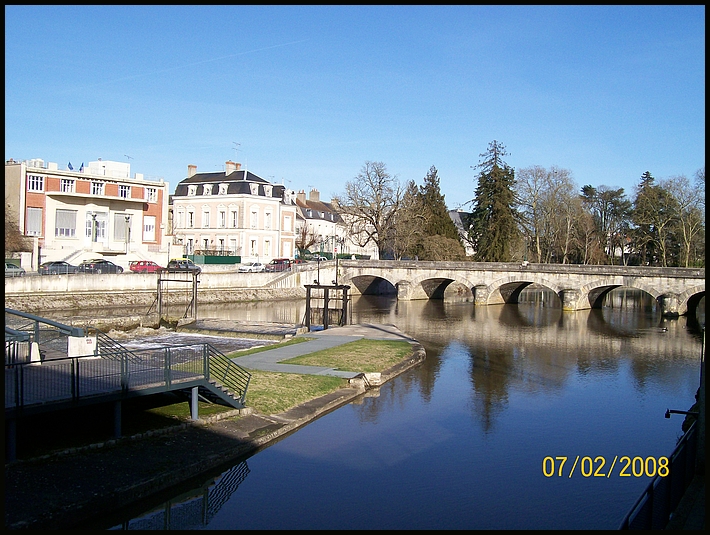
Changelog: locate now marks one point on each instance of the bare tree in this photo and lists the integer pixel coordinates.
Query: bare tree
(369, 205)
(530, 187)
(441, 248)
(658, 208)
(690, 218)
(548, 204)
(305, 238)
(15, 241)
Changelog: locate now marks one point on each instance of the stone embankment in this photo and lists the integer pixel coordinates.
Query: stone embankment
(99, 291)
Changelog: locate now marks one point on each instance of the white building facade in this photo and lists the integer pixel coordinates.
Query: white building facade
(97, 211)
(326, 225)
(233, 212)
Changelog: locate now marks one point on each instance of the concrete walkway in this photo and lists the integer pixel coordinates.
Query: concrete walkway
(318, 340)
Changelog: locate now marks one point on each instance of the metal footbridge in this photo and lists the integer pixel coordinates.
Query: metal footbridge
(50, 366)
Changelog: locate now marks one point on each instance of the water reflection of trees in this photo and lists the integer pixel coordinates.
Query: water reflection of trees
(531, 346)
(537, 349)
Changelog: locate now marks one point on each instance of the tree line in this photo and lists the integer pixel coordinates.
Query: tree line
(535, 214)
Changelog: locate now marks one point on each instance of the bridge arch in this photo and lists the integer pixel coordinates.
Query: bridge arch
(370, 284)
(690, 299)
(427, 286)
(595, 291)
(508, 289)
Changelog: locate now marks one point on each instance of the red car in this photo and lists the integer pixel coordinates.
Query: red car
(144, 266)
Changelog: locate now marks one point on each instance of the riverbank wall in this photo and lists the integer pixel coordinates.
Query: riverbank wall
(65, 292)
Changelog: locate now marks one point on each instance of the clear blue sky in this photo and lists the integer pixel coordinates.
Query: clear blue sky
(307, 94)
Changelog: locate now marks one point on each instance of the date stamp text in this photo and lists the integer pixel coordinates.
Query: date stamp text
(599, 466)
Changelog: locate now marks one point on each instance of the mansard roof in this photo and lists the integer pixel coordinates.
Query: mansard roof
(313, 209)
(238, 183)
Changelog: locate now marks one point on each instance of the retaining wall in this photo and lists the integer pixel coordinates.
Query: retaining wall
(61, 292)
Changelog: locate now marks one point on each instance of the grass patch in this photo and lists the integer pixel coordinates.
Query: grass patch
(274, 392)
(359, 356)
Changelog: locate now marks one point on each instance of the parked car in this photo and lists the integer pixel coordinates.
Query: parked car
(252, 267)
(279, 264)
(98, 265)
(318, 258)
(11, 270)
(144, 266)
(58, 267)
(299, 261)
(183, 264)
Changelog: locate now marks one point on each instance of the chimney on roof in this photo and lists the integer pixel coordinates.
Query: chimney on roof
(230, 167)
(301, 196)
(191, 170)
(314, 195)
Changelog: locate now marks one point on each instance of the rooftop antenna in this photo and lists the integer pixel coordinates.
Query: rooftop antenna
(236, 145)
(128, 157)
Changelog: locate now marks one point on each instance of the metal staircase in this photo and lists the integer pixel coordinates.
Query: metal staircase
(227, 382)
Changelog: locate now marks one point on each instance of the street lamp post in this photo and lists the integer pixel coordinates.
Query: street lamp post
(337, 241)
(93, 227)
(128, 232)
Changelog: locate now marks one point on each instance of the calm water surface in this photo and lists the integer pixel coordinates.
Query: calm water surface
(459, 442)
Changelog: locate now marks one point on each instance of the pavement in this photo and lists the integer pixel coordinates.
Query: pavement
(270, 360)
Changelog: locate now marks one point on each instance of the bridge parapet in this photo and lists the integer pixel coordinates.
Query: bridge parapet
(579, 287)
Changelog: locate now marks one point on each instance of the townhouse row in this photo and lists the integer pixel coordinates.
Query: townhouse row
(101, 211)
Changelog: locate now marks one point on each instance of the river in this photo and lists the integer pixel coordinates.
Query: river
(474, 437)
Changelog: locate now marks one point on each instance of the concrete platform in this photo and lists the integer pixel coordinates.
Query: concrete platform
(319, 340)
(242, 329)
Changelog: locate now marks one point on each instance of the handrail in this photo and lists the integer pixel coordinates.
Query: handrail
(64, 329)
(662, 495)
(227, 372)
(107, 347)
(74, 378)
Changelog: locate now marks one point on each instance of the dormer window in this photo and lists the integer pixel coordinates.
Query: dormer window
(192, 191)
(207, 189)
(254, 189)
(223, 189)
(267, 190)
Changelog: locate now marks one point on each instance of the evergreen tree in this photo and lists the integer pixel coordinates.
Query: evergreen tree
(643, 233)
(407, 234)
(494, 217)
(439, 223)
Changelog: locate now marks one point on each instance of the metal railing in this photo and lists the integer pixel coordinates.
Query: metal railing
(50, 336)
(78, 378)
(226, 372)
(663, 494)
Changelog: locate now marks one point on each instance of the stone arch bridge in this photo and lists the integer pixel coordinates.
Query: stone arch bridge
(579, 287)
